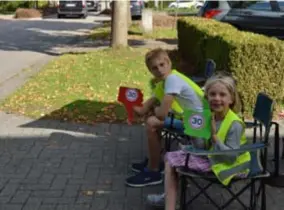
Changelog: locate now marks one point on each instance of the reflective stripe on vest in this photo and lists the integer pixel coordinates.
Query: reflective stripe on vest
(226, 171)
(159, 91)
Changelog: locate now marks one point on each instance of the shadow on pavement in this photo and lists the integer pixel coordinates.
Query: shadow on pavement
(86, 116)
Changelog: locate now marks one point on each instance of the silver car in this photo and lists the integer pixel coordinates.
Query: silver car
(72, 8)
(263, 17)
(94, 5)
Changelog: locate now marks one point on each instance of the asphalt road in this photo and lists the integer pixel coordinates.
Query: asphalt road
(24, 43)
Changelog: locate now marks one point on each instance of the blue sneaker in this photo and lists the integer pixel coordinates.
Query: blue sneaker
(145, 178)
(138, 167)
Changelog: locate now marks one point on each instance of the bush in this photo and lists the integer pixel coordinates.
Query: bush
(255, 61)
(27, 13)
(43, 4)
(11, 6)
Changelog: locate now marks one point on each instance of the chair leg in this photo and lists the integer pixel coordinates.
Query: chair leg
(252, 196)
(167, 138)
(182, 192)
(263, 196)
(283, 148)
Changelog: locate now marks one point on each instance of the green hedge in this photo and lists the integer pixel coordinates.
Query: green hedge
(256, 61)
(12, 6)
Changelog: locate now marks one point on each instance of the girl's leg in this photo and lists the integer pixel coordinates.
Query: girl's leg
(171, 184)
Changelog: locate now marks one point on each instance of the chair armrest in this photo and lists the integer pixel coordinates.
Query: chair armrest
(250, 124)
(246, 148)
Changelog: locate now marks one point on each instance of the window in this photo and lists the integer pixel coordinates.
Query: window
(281, 5)
(212, 4)
(253, 5)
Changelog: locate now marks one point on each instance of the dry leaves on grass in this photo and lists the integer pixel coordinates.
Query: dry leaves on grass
(84, 90)
(163, 21)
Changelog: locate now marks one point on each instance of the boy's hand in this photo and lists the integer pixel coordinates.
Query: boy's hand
(156, 111)
(138, 110)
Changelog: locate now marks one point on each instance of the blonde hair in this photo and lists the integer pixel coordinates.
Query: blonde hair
(156, 54)
(231, 85)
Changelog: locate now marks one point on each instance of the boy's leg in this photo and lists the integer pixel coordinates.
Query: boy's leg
(154, 126)
(153, 129)
(150, 175)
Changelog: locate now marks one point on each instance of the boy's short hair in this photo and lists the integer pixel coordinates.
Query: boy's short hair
(156, 53)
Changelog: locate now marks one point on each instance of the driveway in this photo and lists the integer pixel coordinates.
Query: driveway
(24, 43)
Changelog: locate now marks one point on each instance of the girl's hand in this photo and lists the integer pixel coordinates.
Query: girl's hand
(213, 129)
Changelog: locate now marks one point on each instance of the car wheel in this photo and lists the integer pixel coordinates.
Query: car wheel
(84, 16)
(136, 17)
(59, 16)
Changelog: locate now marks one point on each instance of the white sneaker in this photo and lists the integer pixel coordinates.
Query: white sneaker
(156, 200)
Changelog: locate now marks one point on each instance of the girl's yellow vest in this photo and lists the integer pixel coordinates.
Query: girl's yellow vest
(159, 91)
(226, 171)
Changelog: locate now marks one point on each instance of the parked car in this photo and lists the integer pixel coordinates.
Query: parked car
(94, 5)
(263, 17)
(72, 8)
(136, 7)
(187, 4)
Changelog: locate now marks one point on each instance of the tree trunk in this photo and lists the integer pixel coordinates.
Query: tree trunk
(119, 24)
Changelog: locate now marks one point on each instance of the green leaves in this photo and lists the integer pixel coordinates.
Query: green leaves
(256, 61)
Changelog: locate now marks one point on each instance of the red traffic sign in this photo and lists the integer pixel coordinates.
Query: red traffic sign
(130, 97)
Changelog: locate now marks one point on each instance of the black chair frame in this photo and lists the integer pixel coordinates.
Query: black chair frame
(256, 193)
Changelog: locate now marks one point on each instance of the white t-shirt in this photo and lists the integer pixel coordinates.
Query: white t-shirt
(184, 94)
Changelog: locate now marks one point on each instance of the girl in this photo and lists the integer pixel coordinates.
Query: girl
(227, 132)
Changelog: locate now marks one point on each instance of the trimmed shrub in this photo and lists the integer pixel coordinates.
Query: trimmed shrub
(11, 6)
(254, 60)
(27, 13)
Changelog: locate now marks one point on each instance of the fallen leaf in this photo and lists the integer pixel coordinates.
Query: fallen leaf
(88, 192)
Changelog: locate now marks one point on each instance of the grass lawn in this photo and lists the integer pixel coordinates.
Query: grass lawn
(135, 32)
(82, 87)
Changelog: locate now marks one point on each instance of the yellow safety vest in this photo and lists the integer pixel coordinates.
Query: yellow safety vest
(159, 91)
(226, 171)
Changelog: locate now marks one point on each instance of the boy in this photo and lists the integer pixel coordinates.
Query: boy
(177, 89)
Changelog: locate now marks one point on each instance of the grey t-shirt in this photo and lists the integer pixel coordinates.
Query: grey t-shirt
(184, 93)
(232, 141)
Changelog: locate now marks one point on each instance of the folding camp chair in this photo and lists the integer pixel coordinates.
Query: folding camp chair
(210, 67)
(250, 124)
(173, 132)
(258, 166)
